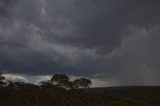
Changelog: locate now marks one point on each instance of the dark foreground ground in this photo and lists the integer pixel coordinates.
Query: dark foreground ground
(146, 94)
(112, 96)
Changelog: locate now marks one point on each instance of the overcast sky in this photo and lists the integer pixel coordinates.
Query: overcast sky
(113, 42)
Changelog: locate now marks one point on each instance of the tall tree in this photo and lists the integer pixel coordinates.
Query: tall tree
(60, 80)
(82, 83)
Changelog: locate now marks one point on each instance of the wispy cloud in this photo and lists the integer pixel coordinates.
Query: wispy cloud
(14, 77)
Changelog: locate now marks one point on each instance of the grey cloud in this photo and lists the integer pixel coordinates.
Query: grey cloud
(140, 56)
(118, 39)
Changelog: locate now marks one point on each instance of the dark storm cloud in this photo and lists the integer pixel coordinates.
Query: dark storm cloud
(5, 5)
(114, 39)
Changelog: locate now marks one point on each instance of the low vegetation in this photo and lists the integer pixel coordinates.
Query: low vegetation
(59, 91)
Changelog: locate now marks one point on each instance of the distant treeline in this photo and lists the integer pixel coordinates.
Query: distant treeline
(61, 81)
(58, 91)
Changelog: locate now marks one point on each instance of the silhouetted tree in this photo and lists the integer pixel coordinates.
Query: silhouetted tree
(82, 83)
(10, 84)
(2, 78)
(60, 80)
(54, 92)
(46, 84)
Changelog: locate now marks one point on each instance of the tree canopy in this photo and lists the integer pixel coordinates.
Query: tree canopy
(58, 91)
(2, 78)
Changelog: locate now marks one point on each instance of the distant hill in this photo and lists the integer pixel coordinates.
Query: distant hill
(147, 94)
